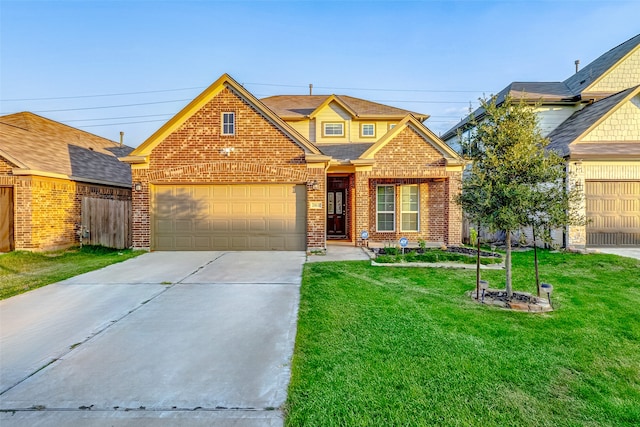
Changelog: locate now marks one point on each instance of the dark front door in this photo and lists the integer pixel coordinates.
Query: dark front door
(337, 207)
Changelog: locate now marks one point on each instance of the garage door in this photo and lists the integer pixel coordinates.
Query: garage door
(613, 208)
(229, 217)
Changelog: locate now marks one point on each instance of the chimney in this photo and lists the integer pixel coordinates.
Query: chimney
(310, 89)
(577, 62)
(121, 138)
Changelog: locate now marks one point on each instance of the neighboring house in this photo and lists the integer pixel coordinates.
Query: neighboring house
(593, 120)
(46, 170)
(232, 172)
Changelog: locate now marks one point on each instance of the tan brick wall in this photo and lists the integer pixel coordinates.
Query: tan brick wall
(47, 210)
(192, 155)
(408, 159)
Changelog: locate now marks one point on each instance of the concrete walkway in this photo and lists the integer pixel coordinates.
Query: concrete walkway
(629, 252)
(167, 338)
(338, 252)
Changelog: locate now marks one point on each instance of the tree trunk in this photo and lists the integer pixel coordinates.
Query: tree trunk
(478, 265)
(535, 261)
(507, 262)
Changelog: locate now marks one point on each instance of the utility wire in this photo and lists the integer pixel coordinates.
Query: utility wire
(100, 95)
(118, 118)
(254, 84)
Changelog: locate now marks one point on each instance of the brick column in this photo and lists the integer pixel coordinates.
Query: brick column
(316, 209)
(361, 206)
(454, 223)
(140, 201)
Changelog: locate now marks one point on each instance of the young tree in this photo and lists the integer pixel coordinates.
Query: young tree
(509, 167)
(554, 205)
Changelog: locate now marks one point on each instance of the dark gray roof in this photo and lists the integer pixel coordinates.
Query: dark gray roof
(583, 78)
(568, 91)
(40, 144)
(349, 151)
(527, 91)
(569, 130)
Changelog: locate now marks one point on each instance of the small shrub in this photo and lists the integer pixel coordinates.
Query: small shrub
(422, 244)
(473, 236)
(390, 250)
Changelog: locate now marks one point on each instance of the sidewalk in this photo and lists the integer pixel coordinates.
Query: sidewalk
(337, 252)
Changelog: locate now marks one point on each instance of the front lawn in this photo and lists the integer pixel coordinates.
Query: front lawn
(22, 271)
(405, 347)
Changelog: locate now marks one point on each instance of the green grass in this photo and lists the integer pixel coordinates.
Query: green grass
(405, 347)
(22, 271)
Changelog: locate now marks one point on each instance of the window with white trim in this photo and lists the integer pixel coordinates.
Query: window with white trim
(229, 123)
(386, 208)
(333, 129)
(409, 208)
(368, 130)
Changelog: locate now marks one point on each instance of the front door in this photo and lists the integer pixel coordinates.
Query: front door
(337, 207)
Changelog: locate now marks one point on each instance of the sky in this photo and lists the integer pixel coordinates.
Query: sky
(112, 66)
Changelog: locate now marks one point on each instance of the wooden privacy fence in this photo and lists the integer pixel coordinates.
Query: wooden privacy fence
(106, 222)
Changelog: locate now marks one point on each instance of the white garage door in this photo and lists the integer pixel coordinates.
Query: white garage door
(613, 209)
(229, 217)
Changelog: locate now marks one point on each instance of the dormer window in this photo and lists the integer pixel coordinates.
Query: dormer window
(333, 129)
(368, 130)
(229, 123)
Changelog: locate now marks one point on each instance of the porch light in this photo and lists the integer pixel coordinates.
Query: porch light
(314, 185)
(137, 186)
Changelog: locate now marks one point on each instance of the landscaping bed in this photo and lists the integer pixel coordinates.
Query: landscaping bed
(434, 255)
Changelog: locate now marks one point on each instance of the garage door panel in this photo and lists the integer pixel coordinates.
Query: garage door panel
(229, 217)
(613, 209)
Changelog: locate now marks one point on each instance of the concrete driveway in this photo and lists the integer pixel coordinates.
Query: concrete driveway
(167, 338)
(629, 252)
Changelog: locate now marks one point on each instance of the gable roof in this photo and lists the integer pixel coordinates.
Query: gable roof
(569, 91)
(40, 146)
(451, 156)
(225, 81)
(547, 92)
(586, 119)
(300, 107)
(587, 76)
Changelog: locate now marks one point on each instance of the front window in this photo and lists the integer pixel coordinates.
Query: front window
(386, 208)
(368, 130)
(333, 129)
(228, 123)
(410, 202)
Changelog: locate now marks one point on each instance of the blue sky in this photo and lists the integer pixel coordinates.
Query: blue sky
(147, 59)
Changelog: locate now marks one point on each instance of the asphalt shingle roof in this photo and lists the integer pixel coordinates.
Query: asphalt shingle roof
(44, 145)
(292, 107)
(587, 75)
(568, 90)
(350, 151)
(569, 130)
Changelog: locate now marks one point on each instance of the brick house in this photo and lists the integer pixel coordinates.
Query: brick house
(232, 172)
(592, 119)
(46, 170)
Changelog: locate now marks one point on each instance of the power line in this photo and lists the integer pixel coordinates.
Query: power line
(118, 118)
(109, 106)
(101, 95)
(123, 123)
(255, 84)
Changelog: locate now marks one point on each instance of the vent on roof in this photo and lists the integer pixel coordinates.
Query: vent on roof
(577, 62)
